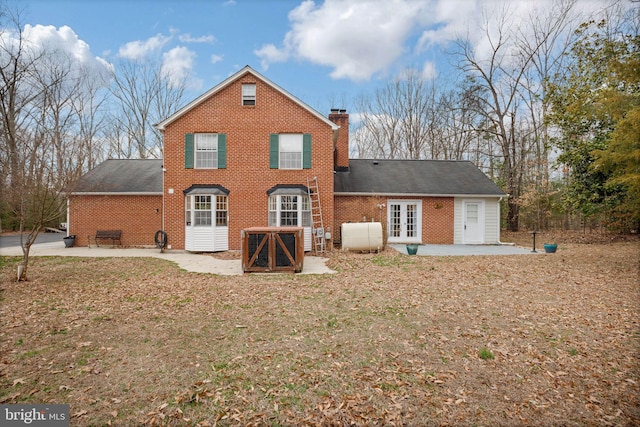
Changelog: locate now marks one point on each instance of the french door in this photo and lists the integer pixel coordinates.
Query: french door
(404, 221)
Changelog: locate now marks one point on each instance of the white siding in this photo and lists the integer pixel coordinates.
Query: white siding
(221, 239)
(491, 220)
(458, 221)
(206, 239)
(308, 243)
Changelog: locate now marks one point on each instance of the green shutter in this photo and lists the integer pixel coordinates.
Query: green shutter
(222, 151)
(188, 151)
(273, 151)
(306, 151)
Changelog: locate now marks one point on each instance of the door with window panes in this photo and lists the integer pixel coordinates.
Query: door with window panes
(206, 224)
(404, 221)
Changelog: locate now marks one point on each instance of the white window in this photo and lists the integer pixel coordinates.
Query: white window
(201, 209)
(249, 94)
(221, 211)
(289, 211)
(206, 150)
(290, 155)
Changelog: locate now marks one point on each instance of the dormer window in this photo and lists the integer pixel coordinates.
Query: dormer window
(249, 94)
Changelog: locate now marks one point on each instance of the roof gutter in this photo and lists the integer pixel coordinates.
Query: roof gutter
(373, 193)
(114, 193)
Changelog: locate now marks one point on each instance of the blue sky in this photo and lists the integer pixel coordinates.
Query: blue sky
(324, 52)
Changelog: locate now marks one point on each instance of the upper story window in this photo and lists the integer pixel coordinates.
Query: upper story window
(249, 94)
(206, 150)
(290, 151)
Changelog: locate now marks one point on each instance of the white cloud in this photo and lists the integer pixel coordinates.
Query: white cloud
(269, 54)
(215, 58)
(177, 64)
(356, 38)
(359, 39)
(65, 44)
(140, 49)
(187, 38)
(429, 71)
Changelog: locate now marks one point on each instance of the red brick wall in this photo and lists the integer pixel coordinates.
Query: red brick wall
(342, 143)
(136, 216)
(359, 209)
(247, 175)
(437, 215)
(437, 220)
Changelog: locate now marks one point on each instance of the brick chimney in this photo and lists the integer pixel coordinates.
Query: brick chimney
(340, 140)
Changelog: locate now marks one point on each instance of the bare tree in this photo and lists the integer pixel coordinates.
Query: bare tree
(498, 80)
(146, 95)
(548, 39)
(399, 121)
(39, 102)
(16, 93)
(88, 107)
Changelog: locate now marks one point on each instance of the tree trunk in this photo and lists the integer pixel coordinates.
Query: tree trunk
(513, 214)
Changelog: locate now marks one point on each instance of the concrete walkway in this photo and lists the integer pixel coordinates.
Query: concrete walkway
(199, 263)
(188, 261)
(468, 250)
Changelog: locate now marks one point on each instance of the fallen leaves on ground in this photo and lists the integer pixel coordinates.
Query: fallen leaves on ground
(547, 339)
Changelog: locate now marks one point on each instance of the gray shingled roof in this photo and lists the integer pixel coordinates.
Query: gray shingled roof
(122, 176)
(417, 177)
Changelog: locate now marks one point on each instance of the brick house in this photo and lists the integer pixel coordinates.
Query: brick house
(241, 155)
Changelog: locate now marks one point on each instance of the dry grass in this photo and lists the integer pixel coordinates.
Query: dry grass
(389, 340)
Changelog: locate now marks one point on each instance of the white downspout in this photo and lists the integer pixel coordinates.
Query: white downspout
(68, 215)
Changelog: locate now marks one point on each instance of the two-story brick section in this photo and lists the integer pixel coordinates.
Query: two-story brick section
(249, 154)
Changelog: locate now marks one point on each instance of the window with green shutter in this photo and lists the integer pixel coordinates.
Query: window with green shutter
(222, 151)
(306, 151)
(188, 151)
(290, 151)
(205, 151)
(273, 151)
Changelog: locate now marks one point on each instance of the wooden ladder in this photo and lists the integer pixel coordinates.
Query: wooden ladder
(317, 231)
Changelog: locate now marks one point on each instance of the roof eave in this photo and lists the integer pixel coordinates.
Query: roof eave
(115, 193)
(247, 69)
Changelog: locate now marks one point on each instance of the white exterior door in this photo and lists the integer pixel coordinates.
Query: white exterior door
(473, 222)
(404, 221)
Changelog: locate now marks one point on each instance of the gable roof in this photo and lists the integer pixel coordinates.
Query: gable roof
(246, 70)
(139, 176)
(414, 177)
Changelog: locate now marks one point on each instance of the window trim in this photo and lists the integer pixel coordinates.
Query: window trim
(274, 151)
(249, 96)
(299, 150)
(218, 209)
(302, 212)
(196, 151)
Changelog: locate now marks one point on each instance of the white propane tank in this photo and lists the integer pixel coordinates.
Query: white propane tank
(362, 236)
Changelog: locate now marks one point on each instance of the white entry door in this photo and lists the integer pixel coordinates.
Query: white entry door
(473, 222)
(404, 221)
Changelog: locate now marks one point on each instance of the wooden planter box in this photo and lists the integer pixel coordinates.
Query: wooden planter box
(272, 249)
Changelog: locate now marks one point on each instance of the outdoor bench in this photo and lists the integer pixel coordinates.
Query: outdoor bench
(112, 235)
